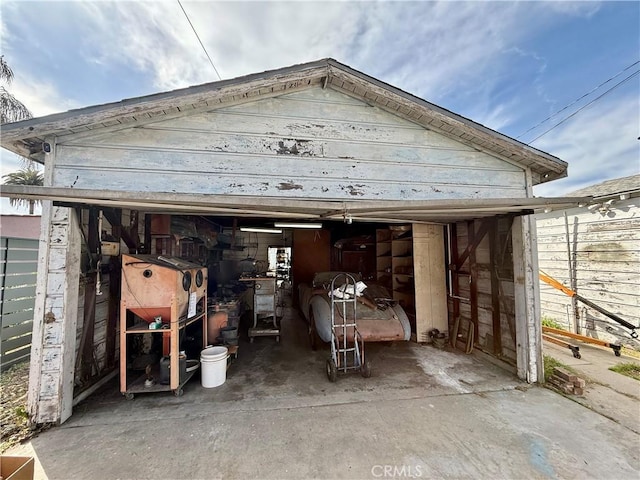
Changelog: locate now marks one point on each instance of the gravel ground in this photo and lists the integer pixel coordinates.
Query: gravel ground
(14, 424)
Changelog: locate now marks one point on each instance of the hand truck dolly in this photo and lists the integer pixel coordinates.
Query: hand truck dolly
(347, 347)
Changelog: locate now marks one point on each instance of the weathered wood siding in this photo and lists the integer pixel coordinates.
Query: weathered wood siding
(605, 255)
(480, 262)
(99, 339)
(316, 143)
(55, 313)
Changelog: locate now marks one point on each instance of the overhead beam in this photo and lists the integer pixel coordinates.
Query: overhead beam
(114, 217)
(419, 211)
(368, 206)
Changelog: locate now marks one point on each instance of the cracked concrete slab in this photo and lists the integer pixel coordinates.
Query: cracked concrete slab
(425, 413)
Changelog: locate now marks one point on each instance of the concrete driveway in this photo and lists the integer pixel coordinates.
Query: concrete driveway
(425, 413)
(608, 393)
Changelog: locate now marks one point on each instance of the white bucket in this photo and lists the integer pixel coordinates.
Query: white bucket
(213, 361)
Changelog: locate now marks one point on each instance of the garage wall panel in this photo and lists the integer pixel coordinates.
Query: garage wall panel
(604, 256)
(312, 144)
(484, 302)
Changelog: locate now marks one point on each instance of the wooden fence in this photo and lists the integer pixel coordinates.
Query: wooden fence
(18, 268)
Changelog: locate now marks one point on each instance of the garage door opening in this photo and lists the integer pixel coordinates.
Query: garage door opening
(456, 278)
(413, 261)
(482, 303)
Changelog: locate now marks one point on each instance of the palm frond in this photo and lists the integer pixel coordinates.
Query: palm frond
(6, 73)
(25, 176)
(11, 109)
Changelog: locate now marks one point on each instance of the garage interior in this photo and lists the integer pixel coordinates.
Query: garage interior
(467, 295)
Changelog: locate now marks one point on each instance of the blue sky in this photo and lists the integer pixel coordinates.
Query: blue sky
(507, 65)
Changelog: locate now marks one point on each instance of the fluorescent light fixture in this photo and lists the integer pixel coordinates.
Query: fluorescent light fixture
(297, 225)
(260, 230)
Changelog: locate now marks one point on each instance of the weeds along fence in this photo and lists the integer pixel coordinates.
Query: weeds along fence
(18, 269)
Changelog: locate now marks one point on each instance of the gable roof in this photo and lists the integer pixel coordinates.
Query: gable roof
(26, 137)
(616, 186)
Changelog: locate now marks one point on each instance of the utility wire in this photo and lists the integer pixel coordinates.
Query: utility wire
(585, 106)
(578, 99)
(198, 37)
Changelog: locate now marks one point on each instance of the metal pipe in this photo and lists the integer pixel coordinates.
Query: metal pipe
(572, 280)
(607, 313)
(460, 298)
(567, 291)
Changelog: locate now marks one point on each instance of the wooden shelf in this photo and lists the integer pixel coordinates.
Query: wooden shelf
(383, 235)
(143, 327)
(138, 384)
(395, 265)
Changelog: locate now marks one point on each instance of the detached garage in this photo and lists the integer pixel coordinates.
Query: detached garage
(406, 194)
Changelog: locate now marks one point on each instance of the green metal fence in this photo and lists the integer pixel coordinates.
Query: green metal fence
(18, 268)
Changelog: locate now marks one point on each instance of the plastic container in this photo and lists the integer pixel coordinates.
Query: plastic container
(165, 369)
(229, 335)
(213, 361)
(215, 322)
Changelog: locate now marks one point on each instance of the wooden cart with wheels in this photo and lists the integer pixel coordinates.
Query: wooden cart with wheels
(160, 296)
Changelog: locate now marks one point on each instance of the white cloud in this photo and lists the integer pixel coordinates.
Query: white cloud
(241, 38)
(577, 9)
(431, 49)
(599, 143)
(41, 97)
(427, 48)
(9, 162)
(458, 52)
(495, 117)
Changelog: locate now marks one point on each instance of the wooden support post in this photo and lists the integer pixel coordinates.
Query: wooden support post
(146, 248)
(133, 230)
(84, 362)
(53, 348)
(455, 279)
(114, 294)
(527, 299)
(473, 271)
(494, 251)
(234, 229)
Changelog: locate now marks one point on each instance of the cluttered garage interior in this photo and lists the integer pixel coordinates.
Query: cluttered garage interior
(180, 227)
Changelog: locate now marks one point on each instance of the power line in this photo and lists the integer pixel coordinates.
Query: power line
(198, 37)
(585, 106)
(578, 99)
